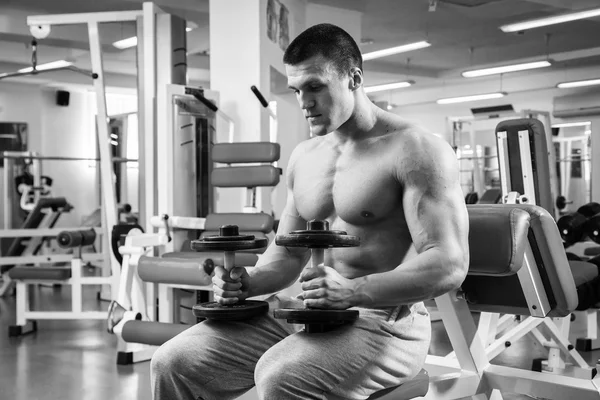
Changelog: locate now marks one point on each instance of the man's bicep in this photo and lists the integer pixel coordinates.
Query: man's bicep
(436, 220)
(434, 207)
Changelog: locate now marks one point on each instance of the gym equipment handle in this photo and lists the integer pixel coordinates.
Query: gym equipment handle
(260, 97)
(70, 239)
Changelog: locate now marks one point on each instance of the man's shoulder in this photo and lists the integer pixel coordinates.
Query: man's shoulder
(420, 150)
(412, 136)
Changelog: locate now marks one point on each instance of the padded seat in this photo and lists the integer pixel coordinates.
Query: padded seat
(40, 273)
(241, 258)
(416, 387)
(185, 268)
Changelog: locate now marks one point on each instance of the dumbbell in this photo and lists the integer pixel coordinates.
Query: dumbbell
(574, 226)
(229, 241)
(317, 237)
(592, 228)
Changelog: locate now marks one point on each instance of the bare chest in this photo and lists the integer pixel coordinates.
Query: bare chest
(358, 187)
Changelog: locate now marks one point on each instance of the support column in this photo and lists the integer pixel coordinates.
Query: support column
(239, 58)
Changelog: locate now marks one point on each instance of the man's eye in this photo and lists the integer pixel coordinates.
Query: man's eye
(315, 88)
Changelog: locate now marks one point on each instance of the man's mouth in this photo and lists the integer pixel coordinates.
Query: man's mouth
(312, 117)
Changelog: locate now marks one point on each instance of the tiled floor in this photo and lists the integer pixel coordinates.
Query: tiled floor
(75, 360)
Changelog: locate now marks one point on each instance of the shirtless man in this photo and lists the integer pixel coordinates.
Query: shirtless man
(367, 172)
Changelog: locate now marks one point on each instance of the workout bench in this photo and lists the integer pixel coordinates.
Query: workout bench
(516, 249)
(26, 276)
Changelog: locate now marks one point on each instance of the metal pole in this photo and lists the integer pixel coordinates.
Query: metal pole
(109, 204)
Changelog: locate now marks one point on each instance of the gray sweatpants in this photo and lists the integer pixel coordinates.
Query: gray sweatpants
(217, 360)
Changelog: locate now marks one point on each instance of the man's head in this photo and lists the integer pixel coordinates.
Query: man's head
(324, 68)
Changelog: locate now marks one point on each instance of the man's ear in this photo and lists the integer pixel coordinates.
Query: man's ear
(356, 80)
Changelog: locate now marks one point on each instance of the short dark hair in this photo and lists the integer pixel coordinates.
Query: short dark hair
(328, 41)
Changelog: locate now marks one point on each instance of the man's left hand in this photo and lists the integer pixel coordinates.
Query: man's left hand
(324, 287)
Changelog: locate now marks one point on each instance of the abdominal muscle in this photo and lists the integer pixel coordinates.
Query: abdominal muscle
(383, 247)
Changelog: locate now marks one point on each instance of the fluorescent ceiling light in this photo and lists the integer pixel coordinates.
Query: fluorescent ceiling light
(555, 19)
(50, 65)
(388, 86)
(571, 124)
(126, 43)
(477, 97)
(505, 69)
(589, 82)
(395, 50)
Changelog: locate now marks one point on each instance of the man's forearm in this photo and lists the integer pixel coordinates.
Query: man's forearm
(426, 276)
(276, 273)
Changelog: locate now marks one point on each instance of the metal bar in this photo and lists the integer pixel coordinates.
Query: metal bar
(526, 167)
(51, 259)
(9, 191)
(512, 335)
(540, 384)
(41, 71)
(504, 162)
(109, 200)
(41, 232)
(83, 18)
(563, 344)
(176, 222)
(532, 285)
(9, 155)
(22, 303)
(462, 332)
(66, 315)
(76, 289)
(148, 50)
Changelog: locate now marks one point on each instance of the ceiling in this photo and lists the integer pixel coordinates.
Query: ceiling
(464, 35)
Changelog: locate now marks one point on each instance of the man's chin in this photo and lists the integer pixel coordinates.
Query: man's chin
(319, 130)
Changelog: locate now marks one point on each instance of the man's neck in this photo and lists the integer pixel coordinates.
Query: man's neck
(362, 121)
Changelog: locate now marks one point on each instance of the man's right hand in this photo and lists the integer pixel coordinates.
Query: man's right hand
(229, 288)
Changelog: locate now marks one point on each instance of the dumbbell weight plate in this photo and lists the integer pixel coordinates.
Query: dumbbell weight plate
(236, 312)
(316, 320)
(228, 243)
(316, 239)
(310, 315)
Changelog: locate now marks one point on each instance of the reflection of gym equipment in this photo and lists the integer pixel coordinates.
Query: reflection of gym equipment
(73, 276)
(317, 237)
(229, 241)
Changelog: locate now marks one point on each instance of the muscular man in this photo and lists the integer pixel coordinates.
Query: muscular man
(367, 172)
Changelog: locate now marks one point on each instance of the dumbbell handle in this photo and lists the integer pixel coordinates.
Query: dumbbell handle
(229, 260)
(317, 257)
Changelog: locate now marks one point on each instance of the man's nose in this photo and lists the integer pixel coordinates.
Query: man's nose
(307, 103)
